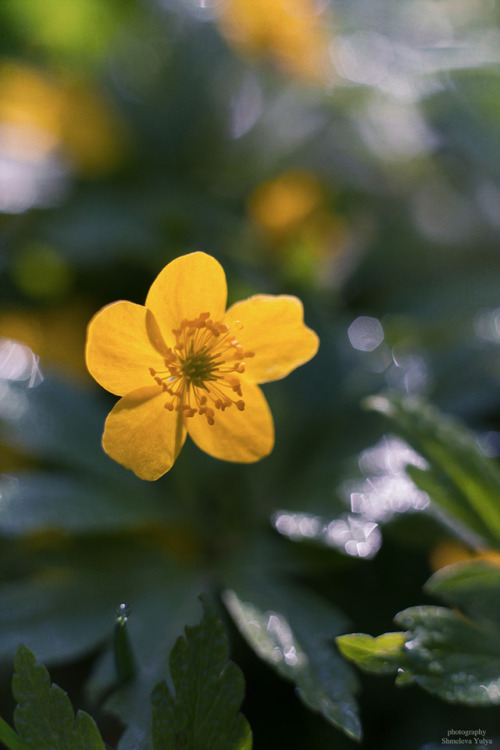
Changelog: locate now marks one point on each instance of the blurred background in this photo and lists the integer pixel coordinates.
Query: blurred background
(345, 152)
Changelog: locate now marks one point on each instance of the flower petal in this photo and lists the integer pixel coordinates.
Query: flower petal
(142, 435)
(273, 328)
(188, 286)
(241, 436)
(123, 342)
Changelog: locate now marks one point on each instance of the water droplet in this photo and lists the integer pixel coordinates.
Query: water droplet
(122, 613)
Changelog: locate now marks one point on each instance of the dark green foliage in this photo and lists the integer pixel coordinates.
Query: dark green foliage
(401, 144)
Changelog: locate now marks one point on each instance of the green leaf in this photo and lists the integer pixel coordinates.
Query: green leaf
(474, 586)
(44, 717)
(293, 631)
(59, 421)
(460, 479)
(10, 739)
(202, 715)
(380, 655)
(63, 603)
(450, 655)
(76, 504)
(442, 651)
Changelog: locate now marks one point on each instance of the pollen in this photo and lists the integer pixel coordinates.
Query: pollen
(202, 369)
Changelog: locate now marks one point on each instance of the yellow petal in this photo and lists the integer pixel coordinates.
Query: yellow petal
(142, 435)
(273, 328)
(188, 286)
(241, 436)
(123, 342)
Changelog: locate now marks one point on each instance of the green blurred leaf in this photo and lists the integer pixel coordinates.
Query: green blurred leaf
(293, 631)
(379, 655)
(37, 502)
(450, 655)
(59, 421)
(477, 135)
(64, 603)
(459, 479)
(70, 34)
(44, 717)
(202, 714)
(474, 586)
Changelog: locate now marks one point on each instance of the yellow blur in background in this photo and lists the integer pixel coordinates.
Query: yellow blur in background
(306, 235)
(40, 113)
(288, 32)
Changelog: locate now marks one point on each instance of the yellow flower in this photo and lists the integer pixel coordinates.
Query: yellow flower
(44, 113)
(184, 364)
(290, 32)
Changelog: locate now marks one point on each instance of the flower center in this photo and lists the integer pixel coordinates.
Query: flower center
(203, 368)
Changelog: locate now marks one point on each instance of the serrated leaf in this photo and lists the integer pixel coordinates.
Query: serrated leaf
(459, 479)
(203, 713)
(381, 655)
(294, 631)
(44, 717)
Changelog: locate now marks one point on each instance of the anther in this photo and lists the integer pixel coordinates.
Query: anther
(202, 368)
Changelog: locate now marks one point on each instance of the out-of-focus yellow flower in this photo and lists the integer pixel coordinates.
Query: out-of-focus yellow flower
(184, 364)
(292, 213)
(91, 131)
(281, 204)
(450, 552)
(287, 31)
(45, 114)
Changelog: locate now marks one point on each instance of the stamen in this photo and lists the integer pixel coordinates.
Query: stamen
(202, 368)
